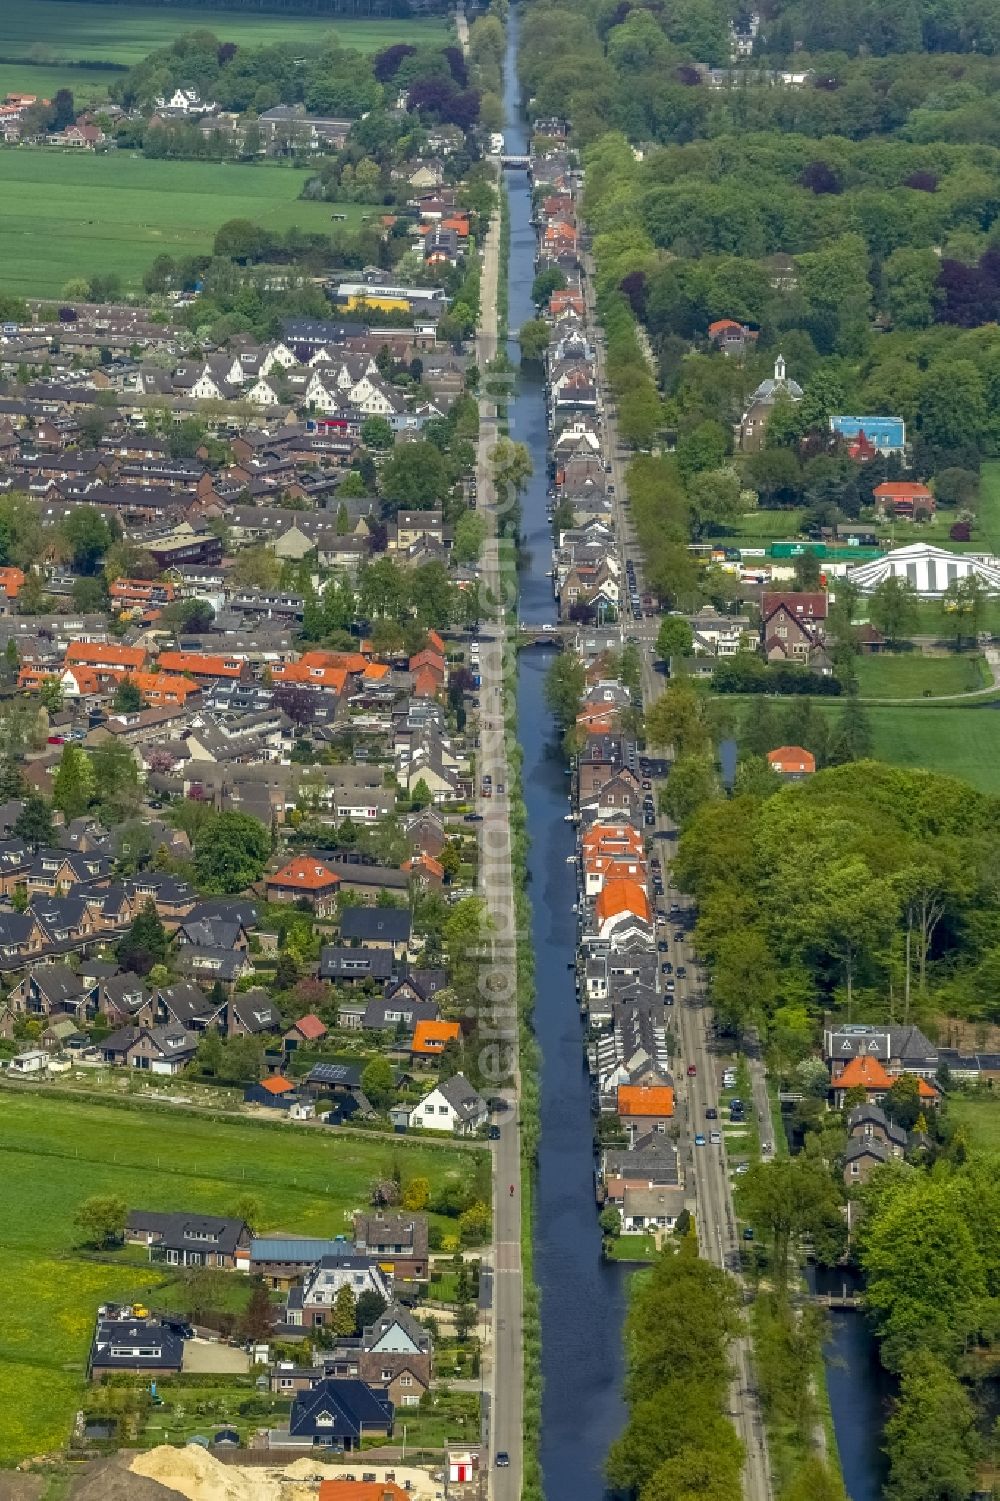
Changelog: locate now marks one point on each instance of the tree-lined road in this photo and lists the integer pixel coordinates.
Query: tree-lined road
(497, 887)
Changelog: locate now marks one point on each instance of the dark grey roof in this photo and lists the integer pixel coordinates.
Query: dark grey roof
(866, 1146)
(210, 932)
(348, 1075)
(386, 1012)
(180, 1231)
(130, 1344)
(337, 963)
(211, 963)
(387, 924)
(255, 1011)
(186, 1003)
(426, 982)
(351, 1406)
(461, 1096)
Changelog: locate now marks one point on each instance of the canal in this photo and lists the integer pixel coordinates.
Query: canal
(582, 1298)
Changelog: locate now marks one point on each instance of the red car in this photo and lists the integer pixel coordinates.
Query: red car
(691, 1071)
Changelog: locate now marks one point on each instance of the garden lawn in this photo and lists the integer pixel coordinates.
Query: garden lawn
(979, 1116)
(49, 31)
(910, 675)
(68, 214)
(55, 1153)
(632, 1248)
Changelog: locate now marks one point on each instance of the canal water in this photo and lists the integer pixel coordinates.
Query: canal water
(582, 1299)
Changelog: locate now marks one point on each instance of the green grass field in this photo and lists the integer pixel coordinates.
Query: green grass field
(979, 1116)
(988, 528)
(69, 214)
(911, 675)
(87, 85)
(959, 742)
(51, 31)
(55, 1153)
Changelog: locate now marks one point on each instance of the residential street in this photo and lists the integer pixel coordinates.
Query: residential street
(506, 1374)
(717, 1232)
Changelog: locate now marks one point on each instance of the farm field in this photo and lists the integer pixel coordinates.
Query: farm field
(958, 742)
(72, 214)
(87, 85)
(50, 31)
(910, 675)
(56, 1153)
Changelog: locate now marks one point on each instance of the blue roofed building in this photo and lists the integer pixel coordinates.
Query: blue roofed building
(884, 434)
(338, 1414)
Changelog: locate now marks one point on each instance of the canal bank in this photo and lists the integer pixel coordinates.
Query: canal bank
(582, 1298)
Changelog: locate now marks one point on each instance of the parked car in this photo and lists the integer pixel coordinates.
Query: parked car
(699, 1140)
(715, 1138)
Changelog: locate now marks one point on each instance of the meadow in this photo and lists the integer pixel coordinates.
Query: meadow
(68, 214)
(54, 31)
(958, 742)
(912, 675)
(54, 1153)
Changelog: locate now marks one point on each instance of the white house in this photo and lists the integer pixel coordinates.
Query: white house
(453, 1106)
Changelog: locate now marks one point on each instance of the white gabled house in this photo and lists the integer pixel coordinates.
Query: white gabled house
(452, 1106)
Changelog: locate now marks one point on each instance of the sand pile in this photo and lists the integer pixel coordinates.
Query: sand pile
(195, 1474)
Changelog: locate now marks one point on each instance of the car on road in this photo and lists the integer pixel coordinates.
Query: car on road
(473, 818)
(648, 820)
(664, 969)
(668, 968)
(692, 1070)
(503, 1459)
(663, 946)
(681, 971)
(646, 784)
(699, 1140)
(741, 1168)
(494, 1133)
(715, 1138)
(500, 789)
(670, 987)
(678, 935)
(748, 1233)
(711, 1114)
(674, 908)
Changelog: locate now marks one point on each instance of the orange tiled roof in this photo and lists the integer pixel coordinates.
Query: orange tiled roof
(645, 1099)
(612, 838)
(864, 1073)
(311, 1027)
(616, 897)
(792, 758)
(360, 1490)
(90, 654)
(431, 1037)
(11, 581)
(424, 862)
(276, 1084)
(305, 872)
(333, 679)
(200, 664)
